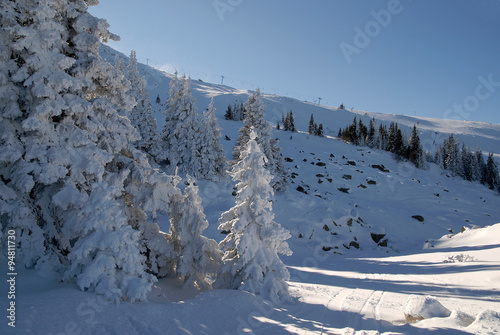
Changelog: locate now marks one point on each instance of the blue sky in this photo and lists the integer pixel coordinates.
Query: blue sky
(427, 58)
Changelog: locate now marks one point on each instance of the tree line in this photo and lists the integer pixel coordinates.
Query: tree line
(450, 156)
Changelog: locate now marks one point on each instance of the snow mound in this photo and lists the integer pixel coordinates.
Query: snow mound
(487, 322)
(419, 308)
(456, 320)
(469, 237)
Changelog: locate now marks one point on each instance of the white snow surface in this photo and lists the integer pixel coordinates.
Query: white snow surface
(337, 288)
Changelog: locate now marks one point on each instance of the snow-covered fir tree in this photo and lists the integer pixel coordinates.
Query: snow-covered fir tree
(119, 64)
(254, 119)
(468, 163)
(254, 241)
(373, 136)
(313, 127)
(73, 187)
(229, 113)
(415, 152)
(362, 132)
(452, 156)
(291, 122)
(235, 113)
(214, 161)
(198, 257)
(492, 176)
(479, 166)
(171, 118)
(182, 135)
(141, 116)
(384, 137)
(288, 122)
(320, 132)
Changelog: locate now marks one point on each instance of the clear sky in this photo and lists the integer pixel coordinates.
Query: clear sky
(437, 58)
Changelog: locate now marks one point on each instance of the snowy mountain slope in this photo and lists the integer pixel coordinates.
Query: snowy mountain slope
(343, 281)
(432, 131)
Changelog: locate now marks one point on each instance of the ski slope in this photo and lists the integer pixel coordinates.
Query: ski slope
(432, 131)
(343, 282)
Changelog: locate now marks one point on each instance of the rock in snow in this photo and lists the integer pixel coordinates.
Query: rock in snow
(424, 307)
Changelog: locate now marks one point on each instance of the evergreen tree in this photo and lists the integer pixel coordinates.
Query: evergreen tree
(391, 137)
(452, 157)
(292, 122)
(74, 188)
(313, 127)
(415, 153)
(171, 119)
(251, 248)
(289, 122)
(372, 137)
(399, 144)
(198, 258)
(242, 111)
(353, 132)
(467, 163)
(188, 133)
(237, 112)
(479, 166)
(141, 116)
(158, 100)
(492, 176)
(229, 113)
(346, 134)
(254, 119)
(119, 64)
(183, 130)
(280, 180)
(438, 158)
(362, 132)
(212, 153)
(321, 132)
(384, 138)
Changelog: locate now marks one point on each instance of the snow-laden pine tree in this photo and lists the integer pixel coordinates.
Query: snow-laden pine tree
(254, 119)
(479, 172)
(415, 152)
(141, 116)
(384, 137)
(373, 136)
(320, 132)
(254, 241)
(183, 136)
(119, 64)
(468, 163)
(171, 118)
(188, 133)
(213, 157)
(198, 257)
(291, 122)
(452, 157)
(492, 176)
(70, 176)
(313, 127)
